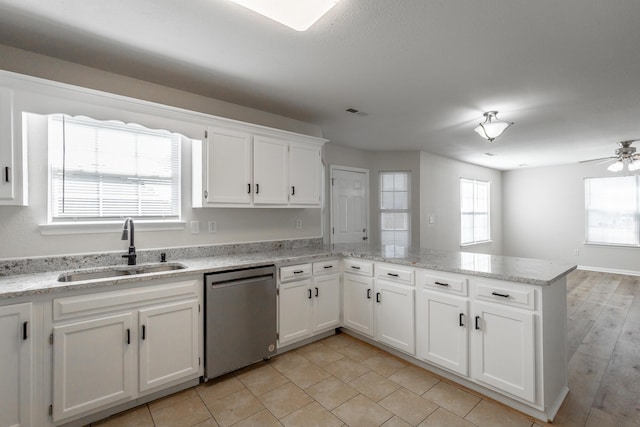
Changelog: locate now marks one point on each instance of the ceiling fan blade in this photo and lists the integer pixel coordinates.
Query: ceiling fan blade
(598, 160)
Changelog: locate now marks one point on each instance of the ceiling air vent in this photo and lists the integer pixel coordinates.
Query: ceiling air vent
(354, 111)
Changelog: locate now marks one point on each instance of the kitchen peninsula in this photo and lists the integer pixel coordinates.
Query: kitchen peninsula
(491, 323)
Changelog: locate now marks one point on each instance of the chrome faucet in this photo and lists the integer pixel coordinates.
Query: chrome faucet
(127, 234)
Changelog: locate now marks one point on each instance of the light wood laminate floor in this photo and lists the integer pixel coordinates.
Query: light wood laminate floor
(341, 381)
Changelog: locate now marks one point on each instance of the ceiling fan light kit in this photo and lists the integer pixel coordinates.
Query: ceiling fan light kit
(625, 155)
(492, 127)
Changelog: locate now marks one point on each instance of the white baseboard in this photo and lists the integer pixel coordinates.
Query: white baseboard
(609, 270)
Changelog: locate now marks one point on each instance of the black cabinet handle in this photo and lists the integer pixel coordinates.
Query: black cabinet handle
(328, 266)
(477, 322)
(317, 292)
(309, 293)
(144, 332)
(257, 188)
(128, 336)
(500, 295)
(377, 296)
(248, 188)
(441, 284)
(25, 330)
(7, 174)
(293, 190)
(460, 323)
(368, 293)
(355, 267)
(392, 274)
(298, 271)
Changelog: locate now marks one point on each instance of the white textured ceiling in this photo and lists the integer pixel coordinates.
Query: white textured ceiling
(567, 72)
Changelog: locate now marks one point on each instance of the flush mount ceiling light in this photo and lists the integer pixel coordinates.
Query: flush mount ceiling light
(492, 127)
(296, 14)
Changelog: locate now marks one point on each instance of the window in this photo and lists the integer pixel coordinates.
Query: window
(613, 210)
(394, 213)
(474, 211)
(105, 170)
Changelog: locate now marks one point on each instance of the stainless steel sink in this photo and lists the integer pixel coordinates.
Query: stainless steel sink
(118, 271)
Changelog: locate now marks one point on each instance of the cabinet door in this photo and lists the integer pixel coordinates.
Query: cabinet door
(326, 302)
(294, 311)
(503, 349)
(270, 171)
(305, 167)
(228, 167)
(394, 315)
(168, 336)
(13, 152)
(442, 330)
(15, 365)
(92, 364)
(358, 303)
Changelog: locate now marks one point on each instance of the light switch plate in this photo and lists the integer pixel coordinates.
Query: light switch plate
(195, 227)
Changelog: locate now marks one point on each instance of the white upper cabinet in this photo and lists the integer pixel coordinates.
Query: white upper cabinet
(305, 180)
(13, 154)
(237, 168)
(270, 171)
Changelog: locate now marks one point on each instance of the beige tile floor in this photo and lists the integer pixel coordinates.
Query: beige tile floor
(342, 381)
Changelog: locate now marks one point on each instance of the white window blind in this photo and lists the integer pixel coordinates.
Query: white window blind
(394, 213)
(104, 170)
(474, 211)
(613, 210)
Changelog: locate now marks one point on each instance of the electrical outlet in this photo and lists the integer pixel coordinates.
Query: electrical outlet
(298, 224)
(213, 227)
(195, 227)
(576, 252)
(432, 219)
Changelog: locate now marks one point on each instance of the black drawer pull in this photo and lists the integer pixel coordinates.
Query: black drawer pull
(393, 274)
(298, 272)
(144, 332)
(328, 266)
(25, 330)
(441, 284)
(257, 188)
(7, 174)
(377, 296)
(128, 336)
(317, 292)
(248, 188)
(460, 319)
(309, 293)
(477, 322)
(355, 267)
(500, 295)
(293, 190)
(368, 293)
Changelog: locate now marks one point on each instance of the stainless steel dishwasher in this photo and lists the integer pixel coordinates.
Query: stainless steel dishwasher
(240, 319)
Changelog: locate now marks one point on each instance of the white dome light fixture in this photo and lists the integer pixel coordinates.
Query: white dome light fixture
(492, 127)
(296, 14)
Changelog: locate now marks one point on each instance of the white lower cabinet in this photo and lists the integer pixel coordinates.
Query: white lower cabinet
(16, 353)
(442, 330)
(307, 306)
(394, 315)
(112, 347)
(503, 348)
(358, 303)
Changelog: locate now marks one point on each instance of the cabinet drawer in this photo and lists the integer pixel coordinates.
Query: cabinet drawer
(294, 272)
(326, 267)
(506, 293)
(358, 267)
(395, 273)
(445, 283)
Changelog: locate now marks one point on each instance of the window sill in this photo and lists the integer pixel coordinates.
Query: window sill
(612, 245)
(106, 227)
(484, 242)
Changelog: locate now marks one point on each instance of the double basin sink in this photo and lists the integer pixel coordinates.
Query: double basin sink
(119, 271)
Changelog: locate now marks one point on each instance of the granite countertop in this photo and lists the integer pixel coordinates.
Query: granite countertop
(521, 270)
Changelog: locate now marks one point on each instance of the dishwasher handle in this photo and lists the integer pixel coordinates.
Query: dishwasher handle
(232, 282)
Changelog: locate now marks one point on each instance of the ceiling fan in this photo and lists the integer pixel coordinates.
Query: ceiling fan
(624, 155)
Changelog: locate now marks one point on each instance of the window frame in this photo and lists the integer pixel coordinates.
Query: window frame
(474, 213)
(635, 214)
(396, 249)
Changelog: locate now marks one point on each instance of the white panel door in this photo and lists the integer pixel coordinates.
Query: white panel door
(168, 336)
(305, 167)
(349, 206)
(92, 364)
(270, 171)
(503, 349)
(358, 303)
(228, 167)
(294, 311)
(442, 330)
(326, 302)
(15, 365)
(394, 315)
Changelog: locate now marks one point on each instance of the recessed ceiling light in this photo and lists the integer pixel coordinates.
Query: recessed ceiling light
(296, 14)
